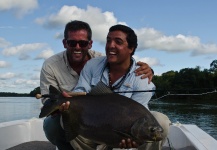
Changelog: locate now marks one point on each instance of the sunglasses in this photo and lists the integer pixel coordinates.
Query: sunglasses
(73, 43)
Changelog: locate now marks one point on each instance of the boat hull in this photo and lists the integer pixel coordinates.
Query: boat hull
(180, 136)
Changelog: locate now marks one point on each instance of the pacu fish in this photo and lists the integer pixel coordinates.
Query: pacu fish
(105, 118)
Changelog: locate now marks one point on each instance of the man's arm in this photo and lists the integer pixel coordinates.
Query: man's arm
(46, 79)
(142, 97)
(83, 85)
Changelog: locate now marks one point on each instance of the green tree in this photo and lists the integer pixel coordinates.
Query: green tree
(213, 66)
(35, 91)
(187, 81)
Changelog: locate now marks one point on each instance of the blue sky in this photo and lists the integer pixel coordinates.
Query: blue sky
(172, 34)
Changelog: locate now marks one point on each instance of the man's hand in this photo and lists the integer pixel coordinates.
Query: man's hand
(128, 144)
(65, 106)
(145, 71)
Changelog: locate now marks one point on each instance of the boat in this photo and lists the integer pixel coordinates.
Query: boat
(180, 137)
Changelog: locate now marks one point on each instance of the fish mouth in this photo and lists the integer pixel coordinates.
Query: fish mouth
(157, 138)
(156, 134)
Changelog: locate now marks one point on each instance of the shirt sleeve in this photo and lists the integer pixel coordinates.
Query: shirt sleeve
(46, 79)
(143, 97)
(84, 79)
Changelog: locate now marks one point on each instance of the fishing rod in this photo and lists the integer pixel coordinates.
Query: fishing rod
(102, 88)
(38, 96)
(168, 91)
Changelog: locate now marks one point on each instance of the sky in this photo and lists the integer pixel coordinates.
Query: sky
(172, 34)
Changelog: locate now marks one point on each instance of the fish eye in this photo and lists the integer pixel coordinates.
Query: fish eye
(152, 129)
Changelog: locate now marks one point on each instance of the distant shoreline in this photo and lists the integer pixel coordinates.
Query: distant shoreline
(8, 94)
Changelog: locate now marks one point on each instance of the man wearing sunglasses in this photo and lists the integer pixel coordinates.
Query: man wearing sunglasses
(62, 71)
(116, 71)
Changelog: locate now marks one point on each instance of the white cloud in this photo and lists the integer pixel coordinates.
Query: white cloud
(4, 64)
(4, 43)
(4, 85)
(18, 7)
(20, 81)
(7, 75)
(150, 38)
(38, 69)
(98, 20)
(59, 36)
(18, 86)
(150, 61)
(36, 76)
(27, 83)
(45, 54)
(6, 27)
(23, 48)
(23, 56)
(205, 49)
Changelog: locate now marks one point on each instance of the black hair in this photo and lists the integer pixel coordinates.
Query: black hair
(77, 25)
(131, 36)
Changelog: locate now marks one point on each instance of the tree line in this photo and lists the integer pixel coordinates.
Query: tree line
(191, 82)
(185, 81)
(9, 94)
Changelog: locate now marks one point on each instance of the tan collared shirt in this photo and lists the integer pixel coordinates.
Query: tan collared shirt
(56, 71)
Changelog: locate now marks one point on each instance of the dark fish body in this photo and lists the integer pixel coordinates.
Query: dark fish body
(106, 119)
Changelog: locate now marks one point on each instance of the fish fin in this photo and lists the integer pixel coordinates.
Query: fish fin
(123, 134)
(53, 90)
(69, 128)
(55, 93)
(127, 135)
(100, 88)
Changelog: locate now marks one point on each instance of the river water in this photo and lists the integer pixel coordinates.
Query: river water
(15, 108)
(203, 114)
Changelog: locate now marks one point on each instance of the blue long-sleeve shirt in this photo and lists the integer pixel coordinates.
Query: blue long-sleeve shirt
(95, 70)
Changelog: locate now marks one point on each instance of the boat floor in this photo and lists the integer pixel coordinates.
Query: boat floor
(34, 145)
(45, 145)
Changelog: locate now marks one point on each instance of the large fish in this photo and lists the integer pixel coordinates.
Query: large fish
(105, 118)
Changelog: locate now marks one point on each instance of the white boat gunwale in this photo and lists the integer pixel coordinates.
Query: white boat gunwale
(16, 132)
